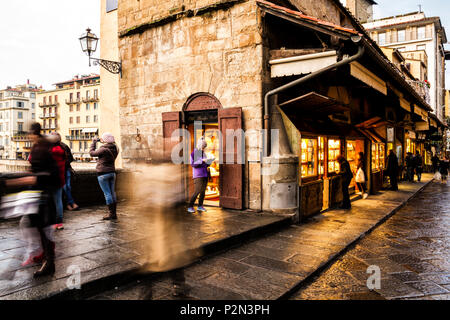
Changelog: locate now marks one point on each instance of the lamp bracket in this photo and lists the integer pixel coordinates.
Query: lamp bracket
(112, 66)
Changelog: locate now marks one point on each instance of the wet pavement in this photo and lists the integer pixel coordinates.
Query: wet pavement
(277, 265)
(104, 249)
(411, 249)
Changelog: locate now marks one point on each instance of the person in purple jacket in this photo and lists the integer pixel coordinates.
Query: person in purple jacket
(200, 165)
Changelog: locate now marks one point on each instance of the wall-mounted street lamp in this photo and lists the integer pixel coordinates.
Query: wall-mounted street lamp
(89, 43)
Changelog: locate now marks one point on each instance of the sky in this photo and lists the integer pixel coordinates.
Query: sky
(39, 40)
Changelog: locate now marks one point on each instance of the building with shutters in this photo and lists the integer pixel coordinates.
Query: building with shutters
(73, 110)
(306, 69)
(414, 34)
(17, 112)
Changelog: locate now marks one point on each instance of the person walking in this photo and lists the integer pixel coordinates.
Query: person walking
(200, 165)
(46, 180)
(361, 176)
(71, 205)
(418, 164)
(409, 161)
(346, 178)
(59, 155)
(106, 170)
(443, 169)
(435, 163)
(392, 169)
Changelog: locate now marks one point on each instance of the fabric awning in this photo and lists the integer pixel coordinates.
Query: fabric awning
(371, 135)
(90, 130)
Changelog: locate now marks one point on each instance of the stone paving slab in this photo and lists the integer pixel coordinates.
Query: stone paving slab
(109, 250)
(273, 266)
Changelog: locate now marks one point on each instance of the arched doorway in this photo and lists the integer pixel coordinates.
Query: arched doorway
(225, 187)
(201, 112)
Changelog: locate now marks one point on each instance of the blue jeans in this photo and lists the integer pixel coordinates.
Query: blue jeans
(68, 189)
(107, 183)
(57, 198)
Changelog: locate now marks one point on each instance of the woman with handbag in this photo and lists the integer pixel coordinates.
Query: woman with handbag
(106, 170)
(361, 177)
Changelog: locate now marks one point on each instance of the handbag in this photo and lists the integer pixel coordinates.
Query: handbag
(360, 178)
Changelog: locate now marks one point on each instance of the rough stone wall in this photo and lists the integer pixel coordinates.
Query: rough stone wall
(322, 9)
(137, 12)
(219, 52)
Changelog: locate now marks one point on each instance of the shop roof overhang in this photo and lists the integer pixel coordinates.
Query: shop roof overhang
(372, 50)
(313, 103)
(301, 19)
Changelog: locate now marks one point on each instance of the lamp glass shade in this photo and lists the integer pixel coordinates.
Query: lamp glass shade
(88, 42)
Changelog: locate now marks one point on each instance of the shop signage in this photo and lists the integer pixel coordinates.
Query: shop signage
(390, 134)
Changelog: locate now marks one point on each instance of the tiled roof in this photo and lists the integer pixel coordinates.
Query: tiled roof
(92, 76)
(300, 15)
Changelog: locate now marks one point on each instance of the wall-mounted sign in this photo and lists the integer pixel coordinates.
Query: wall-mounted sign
(390, 134)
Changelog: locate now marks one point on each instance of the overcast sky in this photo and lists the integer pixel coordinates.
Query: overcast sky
(39, 38)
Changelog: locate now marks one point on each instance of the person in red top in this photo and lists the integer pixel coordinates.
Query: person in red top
(59, 155)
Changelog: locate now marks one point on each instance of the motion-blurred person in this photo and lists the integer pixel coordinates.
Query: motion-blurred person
(361, 176)
(409, 162)
(346, 178)
(161, 201)
(47, 180)
(59, 155)
(106, 171)
(392, 169)
(71, 205)
(443, 169)
(200, 164)
(418, 165)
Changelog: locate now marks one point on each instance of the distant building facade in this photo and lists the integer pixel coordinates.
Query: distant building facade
(17, 112)
(73, 109)
(419, 38)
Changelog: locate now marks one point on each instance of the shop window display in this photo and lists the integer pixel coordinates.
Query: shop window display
(378, 156)
(321, 155)
(309, 158)
(334, 150)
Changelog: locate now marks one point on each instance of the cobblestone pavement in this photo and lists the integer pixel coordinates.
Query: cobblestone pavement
(271, 266)
(411, 249)
(102, 249)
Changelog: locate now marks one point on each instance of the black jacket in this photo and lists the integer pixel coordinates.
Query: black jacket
(345, 171)
(69, 156)
(392, 165)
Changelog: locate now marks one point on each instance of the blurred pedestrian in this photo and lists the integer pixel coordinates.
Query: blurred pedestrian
(409, 162)
(443, 169)
(418, 165)
(200, 164)
(435, 163)
(346, 178)
(59, 155)
(361, 176)
(71, 205)
(106, 171)
(392, 169)
(47, 179)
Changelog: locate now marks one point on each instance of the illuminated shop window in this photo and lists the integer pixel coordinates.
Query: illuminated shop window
(309, 157)
(334, 150)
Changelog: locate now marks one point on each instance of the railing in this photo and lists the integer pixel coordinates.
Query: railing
(410, 35)
(20, 136)
(73, 101)
(47, 115)
(91, 99)
(79, 138)
(422, 89)
(48, 104)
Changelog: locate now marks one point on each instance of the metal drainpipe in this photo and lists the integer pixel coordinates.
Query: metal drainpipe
(297, 82)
